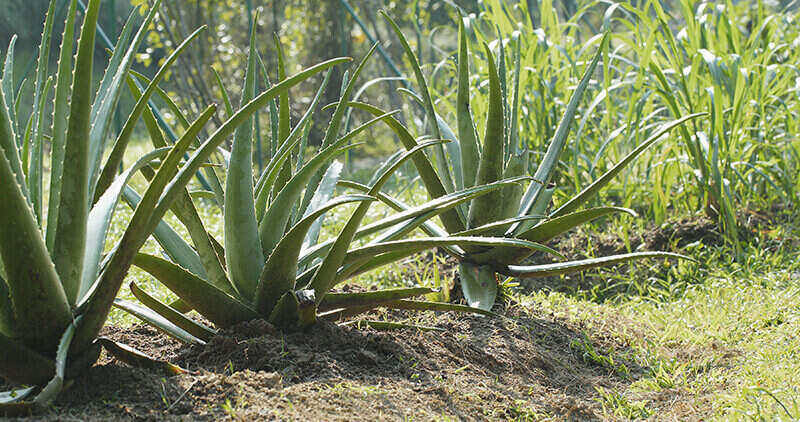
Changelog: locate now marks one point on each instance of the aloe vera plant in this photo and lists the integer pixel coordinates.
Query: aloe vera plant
(56, 285)
(513, 212)
(272, 264)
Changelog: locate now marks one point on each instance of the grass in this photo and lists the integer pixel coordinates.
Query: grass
(724, 348)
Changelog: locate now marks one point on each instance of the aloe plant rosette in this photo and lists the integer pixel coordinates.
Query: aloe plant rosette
(513, 212)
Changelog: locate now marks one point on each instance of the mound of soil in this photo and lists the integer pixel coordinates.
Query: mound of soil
(469, 368)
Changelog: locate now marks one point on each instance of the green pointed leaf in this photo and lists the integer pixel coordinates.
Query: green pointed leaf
(243, 254)
(373, 298)
(417, 305)
(122, 141)
(598, 184)
(467, 138)
(444, 171)
(157, 321)
(171, 242)
(100, 218)
(430, 179)
(59, 126)
(485, 209)
(197, 330)
(219, 307)
(545, 270)
(73, 208)
(280, 271)
(41, 318)
(23, 365)
(550, 160)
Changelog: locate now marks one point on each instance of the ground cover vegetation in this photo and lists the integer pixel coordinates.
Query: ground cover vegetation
(291, 259)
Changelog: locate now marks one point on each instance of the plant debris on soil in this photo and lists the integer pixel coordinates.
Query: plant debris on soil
(473, 368)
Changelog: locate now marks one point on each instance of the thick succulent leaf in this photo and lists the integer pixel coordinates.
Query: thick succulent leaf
(479, 285)
(272, 226)
(373, 256)
(598, 184)
(145, 218)
(158, 321)
(545, 231)
(485, 209)
(451, 220)
(412, 217)
(418, 305)
(100, 219)
(110, 90)
(7, 78)
(270, 173)
(59, 126)
(219, 307)
(186, 212)
(73, 208)
(517, 165)
(8, 322)
(441, 161)
(41, 306)
(325, 277)
(243, 254)
(467, 138)
(335, 123)
(389, 325)
(174, 316)
(135, 358)
(548, 164)
(40, 94)
(97, 303)
(121, 143)
(23, 365)
(14, 396)
(545, 270)
(374, 298)
(322, 195)
(170, 241)
(500, 224)
(50, 391)
(226, 99)
(280, 271)
(8, 145)
(429, 227)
